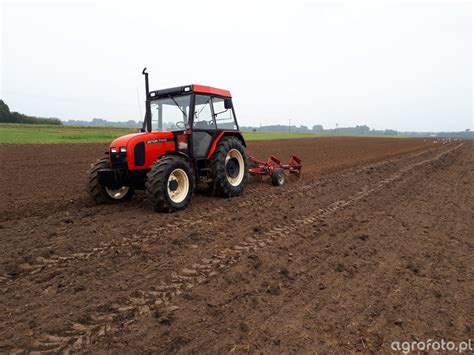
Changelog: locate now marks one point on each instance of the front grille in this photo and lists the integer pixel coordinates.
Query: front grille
(118, 160)
(139, 154)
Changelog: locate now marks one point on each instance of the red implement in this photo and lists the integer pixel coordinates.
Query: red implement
(259, 167)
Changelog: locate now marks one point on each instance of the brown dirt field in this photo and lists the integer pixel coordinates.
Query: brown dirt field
(53, 175)
(372, 245)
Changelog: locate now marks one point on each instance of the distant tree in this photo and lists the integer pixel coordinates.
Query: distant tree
(99, 122)
(15, 117)
(5, 113)
(318, 128)
(390, 132)
(363, 129)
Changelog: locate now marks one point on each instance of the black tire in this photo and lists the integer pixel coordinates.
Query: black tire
(221, 179)
(99, 193)
(278, 177)
(158, 182)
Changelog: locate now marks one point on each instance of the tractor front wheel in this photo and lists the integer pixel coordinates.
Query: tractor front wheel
(101, 194)
(229, 167)
(170, 184)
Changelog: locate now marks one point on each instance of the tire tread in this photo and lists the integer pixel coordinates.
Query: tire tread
(156, 183)
(220, 185)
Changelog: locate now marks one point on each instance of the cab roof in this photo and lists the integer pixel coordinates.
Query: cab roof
(201, 89)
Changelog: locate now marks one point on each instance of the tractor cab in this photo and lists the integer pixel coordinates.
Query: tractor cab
(196, 115)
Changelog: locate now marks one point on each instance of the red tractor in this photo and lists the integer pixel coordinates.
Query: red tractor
(190, 135)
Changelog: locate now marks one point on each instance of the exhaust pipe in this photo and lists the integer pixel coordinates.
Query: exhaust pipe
(147, 122)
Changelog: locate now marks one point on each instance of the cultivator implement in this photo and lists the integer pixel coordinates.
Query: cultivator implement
(275, 169)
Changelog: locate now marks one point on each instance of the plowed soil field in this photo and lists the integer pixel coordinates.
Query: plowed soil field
(372, 245)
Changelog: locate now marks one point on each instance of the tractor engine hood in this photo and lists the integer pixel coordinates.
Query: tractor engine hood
(125, 140)
(142, 149)
(148, 137)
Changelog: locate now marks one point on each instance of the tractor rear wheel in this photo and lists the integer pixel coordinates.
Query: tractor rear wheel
(170, 184)
(229, 167)
(101, 194)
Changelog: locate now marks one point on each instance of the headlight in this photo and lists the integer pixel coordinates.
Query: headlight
(123, 149)
(113, 150)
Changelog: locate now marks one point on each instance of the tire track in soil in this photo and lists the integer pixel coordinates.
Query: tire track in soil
(255, 196)
(78, 336)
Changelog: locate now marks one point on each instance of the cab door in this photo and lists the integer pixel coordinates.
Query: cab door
(204, 126)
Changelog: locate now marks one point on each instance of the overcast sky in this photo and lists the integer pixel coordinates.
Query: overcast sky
(387, 64)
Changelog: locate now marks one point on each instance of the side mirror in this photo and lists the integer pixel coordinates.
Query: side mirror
(227, 103)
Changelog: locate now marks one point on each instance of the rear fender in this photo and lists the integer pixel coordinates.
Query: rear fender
(225, 134)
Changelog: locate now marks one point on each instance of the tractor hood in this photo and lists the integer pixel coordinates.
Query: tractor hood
(140, 150)
(130, 140)
(124, 140)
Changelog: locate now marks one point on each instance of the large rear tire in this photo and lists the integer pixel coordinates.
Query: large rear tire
(170, 184)
(229, 167)
(100, 194)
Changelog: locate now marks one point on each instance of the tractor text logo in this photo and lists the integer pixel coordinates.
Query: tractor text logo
(153, 141)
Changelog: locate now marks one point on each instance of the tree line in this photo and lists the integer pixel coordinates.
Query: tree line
(6, 116)
(357, 130)
(363, 130)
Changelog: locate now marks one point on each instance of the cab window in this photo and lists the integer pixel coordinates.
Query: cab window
(170, 113)
(224, 117)
(203, 113)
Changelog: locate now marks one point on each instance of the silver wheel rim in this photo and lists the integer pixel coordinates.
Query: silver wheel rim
(281, 178)
(117, 194)
(235, 154)
(181, 178)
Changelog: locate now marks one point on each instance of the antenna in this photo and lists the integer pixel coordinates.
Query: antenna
(147, 121)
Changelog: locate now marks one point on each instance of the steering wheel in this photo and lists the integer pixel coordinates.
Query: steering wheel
(180, 124)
